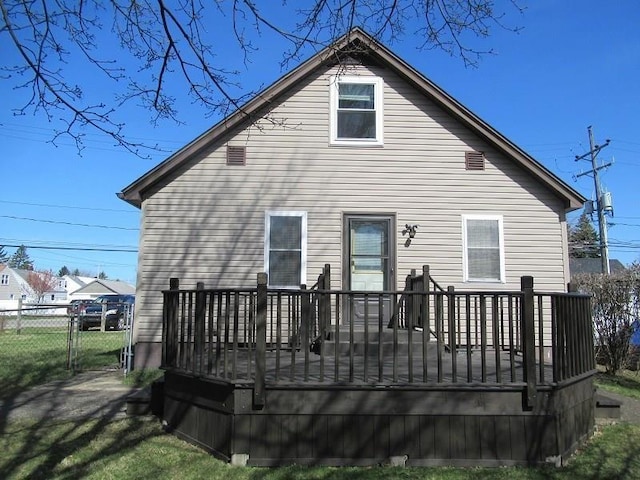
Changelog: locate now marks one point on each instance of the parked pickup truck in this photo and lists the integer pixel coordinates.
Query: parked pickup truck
(115, 306)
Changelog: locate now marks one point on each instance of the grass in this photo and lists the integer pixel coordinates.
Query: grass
(625, 382)
(143, 377)
(40, 354)
(138, 448)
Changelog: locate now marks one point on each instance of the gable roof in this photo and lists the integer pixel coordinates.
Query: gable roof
(355, 43)
(593, 265)
(106, 287)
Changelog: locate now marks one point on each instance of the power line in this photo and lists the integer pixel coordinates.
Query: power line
(79, 249)
(70, 207)
(69, 223)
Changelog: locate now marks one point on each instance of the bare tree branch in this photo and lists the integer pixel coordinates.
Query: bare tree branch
(156, 54)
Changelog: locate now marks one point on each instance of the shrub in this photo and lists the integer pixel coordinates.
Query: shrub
(616, 308)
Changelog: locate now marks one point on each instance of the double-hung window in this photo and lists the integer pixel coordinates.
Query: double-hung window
(5, 279)
(483, 248)
(285, 248)
(356, 111)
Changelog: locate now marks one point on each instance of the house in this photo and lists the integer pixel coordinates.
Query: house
(73, 283)
(97, 286)
(278, 281)
(12, 288)
(356, 160)
(15, 285)
(593, 265)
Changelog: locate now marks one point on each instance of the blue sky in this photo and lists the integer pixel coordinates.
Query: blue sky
(574, 64)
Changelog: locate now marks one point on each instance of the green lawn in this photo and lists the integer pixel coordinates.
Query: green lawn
(626, 382)
(138, 448)
(40, 354)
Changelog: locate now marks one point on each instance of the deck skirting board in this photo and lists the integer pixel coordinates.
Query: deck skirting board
(369, 426)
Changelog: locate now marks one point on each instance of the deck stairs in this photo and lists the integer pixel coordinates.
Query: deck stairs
(371, 343)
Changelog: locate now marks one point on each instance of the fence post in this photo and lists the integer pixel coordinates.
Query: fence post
(528, 338)
(198, 347)
(261, 341)
(170, 327)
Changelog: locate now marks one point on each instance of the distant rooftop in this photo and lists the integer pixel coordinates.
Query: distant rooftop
(593, 265)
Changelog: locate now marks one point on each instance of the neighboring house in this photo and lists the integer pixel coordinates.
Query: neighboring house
(12, 288)
(73, 283)
(338, 162)
(99, 287)
(593, 265)
(14, 285)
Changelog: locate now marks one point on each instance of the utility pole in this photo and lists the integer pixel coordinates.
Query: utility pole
(600, 207)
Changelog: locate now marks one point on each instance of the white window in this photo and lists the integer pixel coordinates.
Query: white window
(483, 248)
(356, 111)
(285, 248)
(4, 280)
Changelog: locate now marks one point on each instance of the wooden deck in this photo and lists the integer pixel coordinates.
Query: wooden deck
(456, 378)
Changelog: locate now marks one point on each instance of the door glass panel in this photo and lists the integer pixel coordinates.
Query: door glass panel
(369, 254)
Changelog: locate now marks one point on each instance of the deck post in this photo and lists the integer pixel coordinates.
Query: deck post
(425, 322)
(451, 327)
(261, 341)
(170, 327)
(326, 299)
(305, 320)
(198, 347)
(528, 338)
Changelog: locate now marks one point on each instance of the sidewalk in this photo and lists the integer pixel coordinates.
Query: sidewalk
(87, 395)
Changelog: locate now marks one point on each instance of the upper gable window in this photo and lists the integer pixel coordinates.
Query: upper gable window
(356, 111)
(5, 279)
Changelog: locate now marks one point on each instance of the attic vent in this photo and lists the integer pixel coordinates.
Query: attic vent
(474, 160)
(236, 155)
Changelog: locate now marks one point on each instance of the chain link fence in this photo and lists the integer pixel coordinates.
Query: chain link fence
(41, 343)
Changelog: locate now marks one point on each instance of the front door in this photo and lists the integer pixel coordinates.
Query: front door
(369, 257)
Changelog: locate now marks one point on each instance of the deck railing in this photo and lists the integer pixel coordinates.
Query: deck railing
(431, 336)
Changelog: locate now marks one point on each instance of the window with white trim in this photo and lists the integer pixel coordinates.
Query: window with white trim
(285, 248)
(483, 248)
(4, 280)
(356, 111)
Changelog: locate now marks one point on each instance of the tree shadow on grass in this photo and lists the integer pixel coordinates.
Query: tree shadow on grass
(52, 422)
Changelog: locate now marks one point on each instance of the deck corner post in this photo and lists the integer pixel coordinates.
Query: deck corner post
(199, 335)
(528, 338)
(170, 323)
(261, 341)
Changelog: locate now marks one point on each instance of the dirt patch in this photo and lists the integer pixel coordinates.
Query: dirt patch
(86, 395)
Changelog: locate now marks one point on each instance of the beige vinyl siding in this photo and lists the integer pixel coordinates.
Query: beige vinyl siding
(207, 224)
